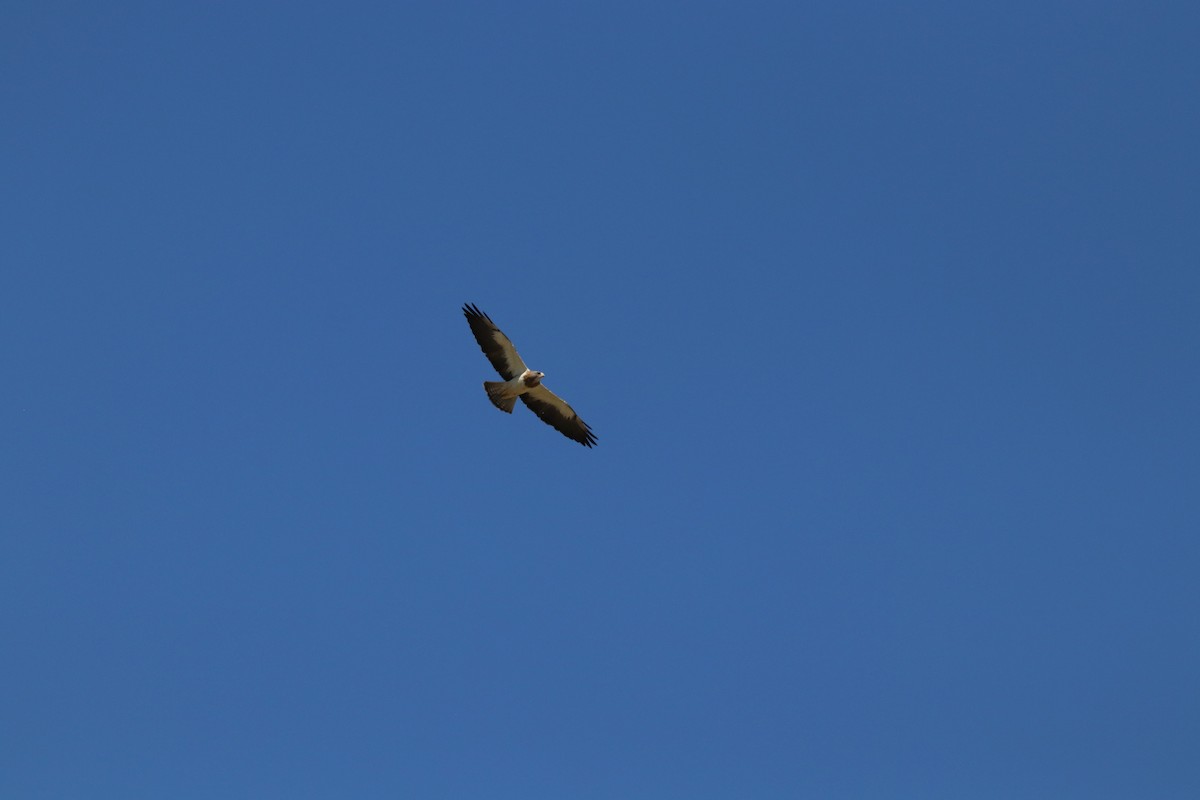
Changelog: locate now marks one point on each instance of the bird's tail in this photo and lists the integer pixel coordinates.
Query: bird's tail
(499, 397)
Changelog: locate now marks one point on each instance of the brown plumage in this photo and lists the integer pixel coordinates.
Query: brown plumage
(520, 381)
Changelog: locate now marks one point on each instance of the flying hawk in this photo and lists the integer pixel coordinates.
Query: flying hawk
(521, 381)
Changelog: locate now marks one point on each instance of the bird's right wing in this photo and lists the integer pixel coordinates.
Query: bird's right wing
(494, 344)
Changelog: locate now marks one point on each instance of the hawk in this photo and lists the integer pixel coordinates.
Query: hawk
(520, 381)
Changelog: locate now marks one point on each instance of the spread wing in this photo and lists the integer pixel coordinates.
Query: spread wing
(553, 410)
(495, 345)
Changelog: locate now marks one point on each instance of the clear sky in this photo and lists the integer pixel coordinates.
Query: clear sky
(885, 314)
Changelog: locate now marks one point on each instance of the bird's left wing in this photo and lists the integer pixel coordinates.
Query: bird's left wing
(495, 345)
(553, 410)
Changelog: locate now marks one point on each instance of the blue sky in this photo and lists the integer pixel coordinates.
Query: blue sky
(885, 316)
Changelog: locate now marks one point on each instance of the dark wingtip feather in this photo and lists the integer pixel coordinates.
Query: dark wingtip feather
(586, 438)
(471, 311)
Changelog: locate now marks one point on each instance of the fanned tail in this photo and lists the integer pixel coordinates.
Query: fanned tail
(500, 399)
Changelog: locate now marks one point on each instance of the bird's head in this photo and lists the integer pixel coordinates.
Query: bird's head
(532, 378)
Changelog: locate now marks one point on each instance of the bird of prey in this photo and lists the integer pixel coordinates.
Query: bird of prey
(521, 381)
